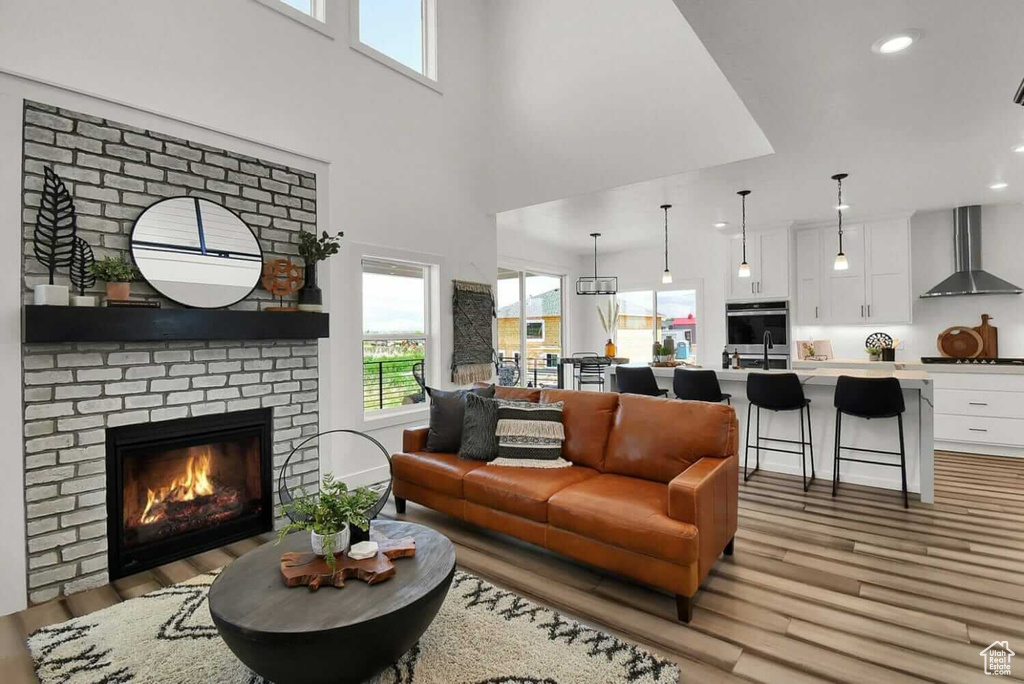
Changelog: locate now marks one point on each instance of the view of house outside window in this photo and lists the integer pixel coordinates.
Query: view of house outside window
(646, 317)
(394, 333)
(537, 364)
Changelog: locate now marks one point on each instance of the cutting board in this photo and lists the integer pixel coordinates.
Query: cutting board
(989, 337)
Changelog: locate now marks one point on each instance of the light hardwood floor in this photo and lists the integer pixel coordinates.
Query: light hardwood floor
(851, 589)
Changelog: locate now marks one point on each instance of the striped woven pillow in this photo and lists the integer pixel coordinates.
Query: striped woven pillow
(530, 435)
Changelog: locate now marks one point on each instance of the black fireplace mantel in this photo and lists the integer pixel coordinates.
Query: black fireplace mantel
(125, 324)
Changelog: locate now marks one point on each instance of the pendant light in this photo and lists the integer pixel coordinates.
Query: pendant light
(666, 277)
(596, 285)
(841, 263)
(744, 271)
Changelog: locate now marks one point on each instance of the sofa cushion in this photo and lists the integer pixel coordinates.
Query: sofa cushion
(529, 432)
(479, 429)
(441, 473)
(521, 491)
(531, 394)
(656, 439)
(625, 512)
(447, 411)
(587, 417)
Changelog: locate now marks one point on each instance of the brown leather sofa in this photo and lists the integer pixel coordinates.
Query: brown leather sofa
(652, 492)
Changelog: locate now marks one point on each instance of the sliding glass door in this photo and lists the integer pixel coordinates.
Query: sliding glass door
(530, 336)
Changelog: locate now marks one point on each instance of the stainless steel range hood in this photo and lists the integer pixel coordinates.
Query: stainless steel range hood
(969, 279)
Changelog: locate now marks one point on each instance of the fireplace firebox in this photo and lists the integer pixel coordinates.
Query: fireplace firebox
(180, 487)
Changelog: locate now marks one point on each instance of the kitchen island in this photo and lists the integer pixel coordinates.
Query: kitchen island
(819, 386)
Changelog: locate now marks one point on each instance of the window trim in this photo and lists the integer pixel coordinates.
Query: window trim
(431, 21)
(317, 21)
(433, 266)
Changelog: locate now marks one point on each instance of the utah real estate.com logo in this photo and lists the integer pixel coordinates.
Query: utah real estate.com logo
(997, 658)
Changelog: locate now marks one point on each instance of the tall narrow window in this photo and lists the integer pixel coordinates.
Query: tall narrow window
(395, 325)
(400, 33)
(677, 319)
(635, 335)
(530, 337)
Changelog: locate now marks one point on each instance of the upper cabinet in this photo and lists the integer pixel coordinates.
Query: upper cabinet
(874, 289)
(768, 258)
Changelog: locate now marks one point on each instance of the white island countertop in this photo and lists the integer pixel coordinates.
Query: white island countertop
(819, 386)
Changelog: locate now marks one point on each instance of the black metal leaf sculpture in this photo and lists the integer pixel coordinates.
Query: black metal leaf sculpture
(54, 236)
(82, 260)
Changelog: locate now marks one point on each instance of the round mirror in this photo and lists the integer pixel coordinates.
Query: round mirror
(196, 252)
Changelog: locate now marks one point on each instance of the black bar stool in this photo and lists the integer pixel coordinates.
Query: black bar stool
(637, 380)
(698, 385)
(778, 392)
(869, 398)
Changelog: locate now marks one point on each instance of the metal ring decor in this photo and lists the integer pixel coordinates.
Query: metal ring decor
(285, 495)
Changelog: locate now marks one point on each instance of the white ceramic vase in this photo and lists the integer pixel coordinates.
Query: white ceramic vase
(341, 541)
(83, 300)
(50, 295)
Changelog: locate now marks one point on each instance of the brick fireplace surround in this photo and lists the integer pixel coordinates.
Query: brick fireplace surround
(73, 392)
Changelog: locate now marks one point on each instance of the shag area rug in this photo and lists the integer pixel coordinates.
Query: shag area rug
(482, 635)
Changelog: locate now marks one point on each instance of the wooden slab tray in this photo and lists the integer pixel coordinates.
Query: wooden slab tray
(308, 569)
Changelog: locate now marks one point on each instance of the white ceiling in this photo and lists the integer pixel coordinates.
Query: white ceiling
(928, 128)
(588, 95)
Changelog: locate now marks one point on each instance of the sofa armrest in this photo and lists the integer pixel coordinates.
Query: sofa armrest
(415, 439)
(706, 495)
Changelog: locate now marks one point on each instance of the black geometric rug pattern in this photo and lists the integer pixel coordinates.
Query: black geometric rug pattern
(496, 636)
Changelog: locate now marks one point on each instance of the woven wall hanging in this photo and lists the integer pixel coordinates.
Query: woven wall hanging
(473, 356)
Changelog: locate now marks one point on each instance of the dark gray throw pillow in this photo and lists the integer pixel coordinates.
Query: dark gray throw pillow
(447, 411)
(479, 437)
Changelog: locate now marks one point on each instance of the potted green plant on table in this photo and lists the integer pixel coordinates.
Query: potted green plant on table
(314, 249)
(329, 516)
(118, 273)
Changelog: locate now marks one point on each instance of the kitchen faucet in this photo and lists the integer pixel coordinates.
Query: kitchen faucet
(767, 341)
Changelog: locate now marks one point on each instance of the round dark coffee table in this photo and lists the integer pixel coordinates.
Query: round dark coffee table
(291, 635)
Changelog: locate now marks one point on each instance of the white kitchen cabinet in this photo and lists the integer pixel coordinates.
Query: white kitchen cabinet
(768, 258)
(874, 289)
(887, 271)
(808, 277)
(979, 412)
(843, 291)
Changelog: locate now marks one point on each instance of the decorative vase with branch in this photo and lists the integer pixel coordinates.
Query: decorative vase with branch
(314, 249)
(118, 273)
(82, 277)
(53, 239)
(609, 322)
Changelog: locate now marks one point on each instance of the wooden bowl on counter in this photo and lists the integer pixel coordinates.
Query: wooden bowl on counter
(960, 342)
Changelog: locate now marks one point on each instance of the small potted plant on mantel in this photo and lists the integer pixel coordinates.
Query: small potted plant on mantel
(314, 249)
(329, 516)
(118, 273)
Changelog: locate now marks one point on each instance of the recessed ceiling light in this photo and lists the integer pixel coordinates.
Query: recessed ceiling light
(896, 43)
(1019, 148)
(998, 186)
(721, 224)
(842, 207)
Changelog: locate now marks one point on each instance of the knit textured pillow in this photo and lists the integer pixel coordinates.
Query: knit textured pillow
(479, 429)
(530, 435)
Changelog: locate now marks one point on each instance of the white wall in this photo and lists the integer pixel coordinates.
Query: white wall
(931, 262)
(406, 163)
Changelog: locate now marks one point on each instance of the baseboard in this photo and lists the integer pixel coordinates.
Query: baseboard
(983, 449)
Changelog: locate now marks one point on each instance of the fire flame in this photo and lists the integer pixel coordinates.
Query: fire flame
(194, 482)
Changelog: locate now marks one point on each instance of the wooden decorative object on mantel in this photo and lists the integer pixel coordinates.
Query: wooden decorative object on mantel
(281, 278)
(307, 569)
